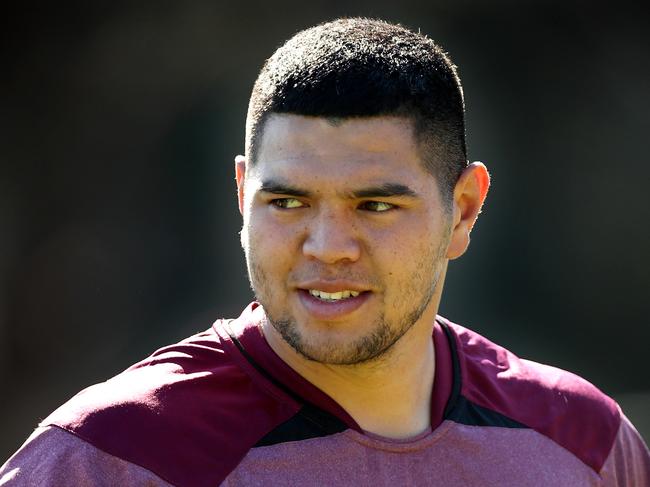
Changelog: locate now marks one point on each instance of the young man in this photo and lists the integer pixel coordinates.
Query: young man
(355, 193)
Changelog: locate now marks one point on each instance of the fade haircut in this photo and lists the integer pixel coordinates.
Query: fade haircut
(358, 67)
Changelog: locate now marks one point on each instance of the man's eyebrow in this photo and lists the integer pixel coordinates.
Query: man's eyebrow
(385, 190)
(278, 187)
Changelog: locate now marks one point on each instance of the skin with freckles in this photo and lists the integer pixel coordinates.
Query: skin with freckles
(348, 206)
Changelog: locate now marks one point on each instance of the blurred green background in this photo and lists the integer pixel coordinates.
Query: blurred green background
(118, 218)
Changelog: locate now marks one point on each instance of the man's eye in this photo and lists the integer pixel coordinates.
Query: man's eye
(287, 203)
(377, 206)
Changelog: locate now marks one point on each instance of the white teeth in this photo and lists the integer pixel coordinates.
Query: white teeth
(333, 296)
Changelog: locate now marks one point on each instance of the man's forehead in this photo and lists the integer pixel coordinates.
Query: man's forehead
(293, 133)
(345, 156)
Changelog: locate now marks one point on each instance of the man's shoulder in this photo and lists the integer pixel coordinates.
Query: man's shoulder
(197, 403)
(497, 388)
(162, 386)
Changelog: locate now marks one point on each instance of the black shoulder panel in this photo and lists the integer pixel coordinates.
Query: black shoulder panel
(466, 412)
(462, 411)
(309, 422)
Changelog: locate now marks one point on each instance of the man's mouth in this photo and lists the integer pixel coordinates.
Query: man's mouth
(335, 304)
(337, 296)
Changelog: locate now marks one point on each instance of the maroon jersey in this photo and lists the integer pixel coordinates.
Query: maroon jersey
(221, 408)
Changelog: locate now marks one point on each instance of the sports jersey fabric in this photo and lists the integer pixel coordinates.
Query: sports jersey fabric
(221, 408)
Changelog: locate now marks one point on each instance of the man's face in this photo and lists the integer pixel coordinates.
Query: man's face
(344, 232)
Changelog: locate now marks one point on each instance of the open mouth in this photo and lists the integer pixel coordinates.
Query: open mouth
(332, 306)
(333, 297)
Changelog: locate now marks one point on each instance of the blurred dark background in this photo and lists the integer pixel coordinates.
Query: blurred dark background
(119, 227)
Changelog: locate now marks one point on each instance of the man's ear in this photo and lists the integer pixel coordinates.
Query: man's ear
(469, 195)
(240, 177)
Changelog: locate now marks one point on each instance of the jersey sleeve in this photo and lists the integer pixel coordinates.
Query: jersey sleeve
(53, 457)
(628, 463)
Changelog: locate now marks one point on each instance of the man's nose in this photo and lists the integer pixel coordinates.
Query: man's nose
(332, 237)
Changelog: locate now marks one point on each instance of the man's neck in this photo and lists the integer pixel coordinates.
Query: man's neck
(391, 396)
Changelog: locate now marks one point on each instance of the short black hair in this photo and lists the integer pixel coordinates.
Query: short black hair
(359, 67)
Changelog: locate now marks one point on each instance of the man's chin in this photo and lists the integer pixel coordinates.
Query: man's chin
(336, 351)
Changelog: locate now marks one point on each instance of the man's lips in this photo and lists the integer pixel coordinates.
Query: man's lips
(333, 286)
(332, 309)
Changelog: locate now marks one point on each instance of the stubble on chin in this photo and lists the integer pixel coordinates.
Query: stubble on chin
(330, 352)
(369, 348)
